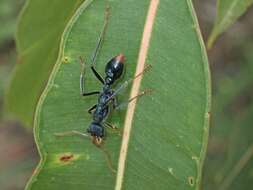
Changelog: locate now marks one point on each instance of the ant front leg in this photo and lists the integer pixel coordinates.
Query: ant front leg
(71, 133)
(111, 126)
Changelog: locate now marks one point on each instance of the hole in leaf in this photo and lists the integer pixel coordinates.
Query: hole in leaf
(191, 180)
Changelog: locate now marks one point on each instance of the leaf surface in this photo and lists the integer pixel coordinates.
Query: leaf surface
(168, 138)
(228, 11)
(38, 38)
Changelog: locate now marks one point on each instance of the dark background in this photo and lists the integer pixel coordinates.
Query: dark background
(228, 162)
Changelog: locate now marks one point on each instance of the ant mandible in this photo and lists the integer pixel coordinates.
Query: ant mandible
(107, 96)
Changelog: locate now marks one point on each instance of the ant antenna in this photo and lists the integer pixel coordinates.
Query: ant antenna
(107, 157)
(147, 91)
(98, 145)
(124, 104)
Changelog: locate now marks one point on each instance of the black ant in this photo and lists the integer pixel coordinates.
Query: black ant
(107, 96)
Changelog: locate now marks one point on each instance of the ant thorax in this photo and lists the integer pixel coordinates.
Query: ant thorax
(106, 87)
(108, 80)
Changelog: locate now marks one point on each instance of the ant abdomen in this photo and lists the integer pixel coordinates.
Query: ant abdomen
(114, 68)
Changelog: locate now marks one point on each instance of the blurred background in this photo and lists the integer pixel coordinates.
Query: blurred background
(229, 163)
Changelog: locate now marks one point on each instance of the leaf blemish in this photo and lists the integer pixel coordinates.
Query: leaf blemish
(191, 180)
(65, 59)
(171, 171)
(66, 158)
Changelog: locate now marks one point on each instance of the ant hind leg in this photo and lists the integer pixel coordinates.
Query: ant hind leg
(82, 81)
(98, 46)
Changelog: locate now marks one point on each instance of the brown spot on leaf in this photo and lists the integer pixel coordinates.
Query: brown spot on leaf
(65, 59)
(66, 158)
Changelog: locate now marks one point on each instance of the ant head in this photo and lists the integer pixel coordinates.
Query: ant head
(114, 68)
(97, 133)
(97, 141)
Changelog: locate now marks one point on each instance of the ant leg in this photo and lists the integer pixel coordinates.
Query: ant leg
(94, 56)
(97, 75)
(98, 46)
(126, 83)
(101, 37)
(114, 102)
(124, 104)
(108, 158)
(92, 108)
(113, 127)
(70, 133)
(82, 81)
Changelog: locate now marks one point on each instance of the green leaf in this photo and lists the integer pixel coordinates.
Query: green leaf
(228, 11)
(38, 37)
(168, 136)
